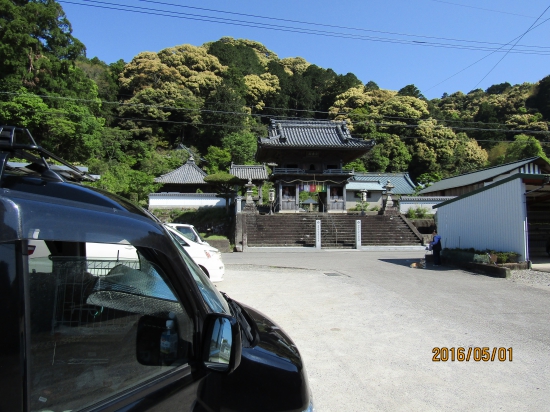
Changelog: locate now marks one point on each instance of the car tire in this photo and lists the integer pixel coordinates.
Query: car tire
(205, 271)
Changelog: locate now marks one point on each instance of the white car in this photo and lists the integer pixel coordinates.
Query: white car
(189, 232)
(208, 258)
(102, 257)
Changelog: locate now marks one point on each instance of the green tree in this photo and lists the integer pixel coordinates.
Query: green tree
(224, 114)
(106, 78)
(411, 90)
(389, 155)
(371, 86)
(37, 49)
(429, 178)
(241, 146)
(498, 88)
(69, 130)
(357, 165)
(540, 99)
(217, 160)
(497, 153)
(224, 184)
(241, 57)
(523, 147)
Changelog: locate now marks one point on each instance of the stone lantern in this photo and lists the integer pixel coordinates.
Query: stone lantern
(389, 208)
(249, 206)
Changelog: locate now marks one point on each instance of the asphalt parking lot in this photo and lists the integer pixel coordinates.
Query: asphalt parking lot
(367, 324)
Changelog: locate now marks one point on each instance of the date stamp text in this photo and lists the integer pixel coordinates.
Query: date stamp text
(476, 354)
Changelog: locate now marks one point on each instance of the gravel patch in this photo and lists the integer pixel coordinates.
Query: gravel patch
(531, 277)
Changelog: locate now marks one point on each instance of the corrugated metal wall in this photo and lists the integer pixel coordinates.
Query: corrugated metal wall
(493, 219)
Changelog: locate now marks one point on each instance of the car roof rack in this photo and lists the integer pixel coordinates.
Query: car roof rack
(10, 147)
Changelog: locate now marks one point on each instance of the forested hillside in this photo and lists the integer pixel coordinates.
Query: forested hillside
(131, 122)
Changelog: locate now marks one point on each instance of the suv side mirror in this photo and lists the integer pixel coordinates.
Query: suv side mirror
(222, 346)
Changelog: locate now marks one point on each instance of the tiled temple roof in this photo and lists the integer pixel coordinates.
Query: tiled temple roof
(249, 172)
(311, 134)
(189, 173)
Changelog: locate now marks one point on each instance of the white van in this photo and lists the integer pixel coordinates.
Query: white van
(207, 257)
(188, 231)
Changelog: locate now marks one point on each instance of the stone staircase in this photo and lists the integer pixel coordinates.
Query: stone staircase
(337, 230)
(387, 231)
(279, 230)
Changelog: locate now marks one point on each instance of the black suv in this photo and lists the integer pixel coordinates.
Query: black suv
(102, 310)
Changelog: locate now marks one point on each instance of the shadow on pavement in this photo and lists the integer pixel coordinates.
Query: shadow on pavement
(408, 262)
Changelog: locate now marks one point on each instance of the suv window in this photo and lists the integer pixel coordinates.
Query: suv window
(88, 309)
(210, 294)
(188, 233)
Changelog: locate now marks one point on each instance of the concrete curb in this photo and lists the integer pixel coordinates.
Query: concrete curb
(390, 248)
(480, 268)
(292, 249)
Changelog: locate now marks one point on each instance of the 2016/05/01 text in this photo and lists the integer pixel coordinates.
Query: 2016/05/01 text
(476, 354)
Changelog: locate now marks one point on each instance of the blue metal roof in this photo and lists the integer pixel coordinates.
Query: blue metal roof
(403, 185)
(370, 186)
(484, 175)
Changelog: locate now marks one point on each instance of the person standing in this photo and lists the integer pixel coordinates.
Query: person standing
(435, 245)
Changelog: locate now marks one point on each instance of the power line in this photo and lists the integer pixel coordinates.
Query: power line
(510, 49)
(483, 58)
(314, 23)
(477, 140)
(443, 120)
(481, 8)
(412, 126)
(58, 114)
(266, 26)
(362, 134)
(139, 105)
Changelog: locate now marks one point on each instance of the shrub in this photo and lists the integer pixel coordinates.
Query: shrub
(358, 208)
(507, 257)
(501, 257)
(418, 212)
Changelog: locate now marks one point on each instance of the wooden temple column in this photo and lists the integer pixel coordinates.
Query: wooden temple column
(297, 198)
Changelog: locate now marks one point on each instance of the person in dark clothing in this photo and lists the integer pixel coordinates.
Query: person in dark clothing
(436, 248)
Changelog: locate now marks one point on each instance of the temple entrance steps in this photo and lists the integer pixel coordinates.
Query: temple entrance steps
(337, 230)
(279, 230)
(388, 231)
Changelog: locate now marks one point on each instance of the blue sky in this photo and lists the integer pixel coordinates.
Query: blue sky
(398, 44)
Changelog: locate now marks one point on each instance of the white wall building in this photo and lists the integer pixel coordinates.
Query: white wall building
(504, 216)
(174, 200)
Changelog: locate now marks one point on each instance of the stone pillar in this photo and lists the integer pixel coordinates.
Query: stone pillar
(238, 204)
(239, 232)
(344, 195)
(245, 235)
(280, 191)
(357, 234)
(318, 234)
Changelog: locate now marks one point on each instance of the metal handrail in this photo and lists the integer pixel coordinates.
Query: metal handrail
(339, 171)
(287, 170)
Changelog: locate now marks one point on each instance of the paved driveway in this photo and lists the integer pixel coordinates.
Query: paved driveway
(366, 324)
